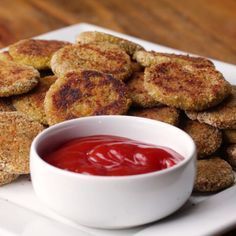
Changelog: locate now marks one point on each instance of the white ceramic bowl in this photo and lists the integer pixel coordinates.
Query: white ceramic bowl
(111, 201)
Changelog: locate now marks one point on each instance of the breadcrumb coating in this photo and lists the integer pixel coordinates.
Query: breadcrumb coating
(186, 87)
(35, 52)
(16, 78)
(222, 116)
(16, 134)
(207, 138)
(32, 103)
(213, 175)
(165, 114)
(100, 37)
(107, 58)
(85, 93)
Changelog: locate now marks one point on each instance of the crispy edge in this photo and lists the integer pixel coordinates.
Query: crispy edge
(165, 114)
(208, 139)
(94, 36)
(6, 178)
(213, 175)
(222, 116)
(149, 58)
(138, 94)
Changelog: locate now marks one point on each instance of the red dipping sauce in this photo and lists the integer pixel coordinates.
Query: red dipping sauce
(107, 155)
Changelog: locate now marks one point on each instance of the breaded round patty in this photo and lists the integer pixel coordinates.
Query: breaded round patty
(32, 103)
(165, 114)
(6, 105)
(16, 79)
(85, 93)
(207, 138)
(6, 178)
(107, 58)
(138, 94)
(231, 155)
(222, 116)
(5, 56)
(16, 135)
(35, 52)
(186, 87)
(146, 58)
(100, 37)
(213, 175)
(229, 135)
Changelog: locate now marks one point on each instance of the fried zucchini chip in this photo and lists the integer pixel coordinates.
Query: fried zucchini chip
(222, 116)
(213, 175)
(35, 52)
(85, 93)
(16, 78)
(186, 87)
(207, 138)
(107, 58)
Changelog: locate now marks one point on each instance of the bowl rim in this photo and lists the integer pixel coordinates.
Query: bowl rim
(68, 123)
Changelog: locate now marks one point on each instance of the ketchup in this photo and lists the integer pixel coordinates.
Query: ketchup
(107, 155)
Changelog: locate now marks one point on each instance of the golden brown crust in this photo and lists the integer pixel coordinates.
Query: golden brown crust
(186, 87)
(5, 56)
(85, 93)
(222, 116)
(6, 178)
(207, 138)
(229, 135)
(16, 79)
(100, 37)
(32, 103)
(138, 94)
(35, 52)
(146, 58)
(16, 135)
(165, 114)
(107, 58)
(213, 175)
(231, 155)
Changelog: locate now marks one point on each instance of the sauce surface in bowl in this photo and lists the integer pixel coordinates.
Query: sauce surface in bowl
(107, 155)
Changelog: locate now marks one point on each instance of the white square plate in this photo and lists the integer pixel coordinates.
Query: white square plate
(21, 213)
